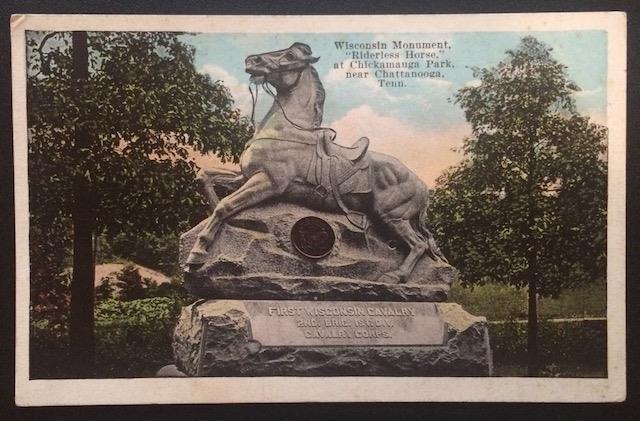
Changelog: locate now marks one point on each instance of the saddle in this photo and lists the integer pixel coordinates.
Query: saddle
(352, 153)
(341, 170)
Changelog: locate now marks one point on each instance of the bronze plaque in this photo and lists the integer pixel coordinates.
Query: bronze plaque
(345, 323)
(313, 237)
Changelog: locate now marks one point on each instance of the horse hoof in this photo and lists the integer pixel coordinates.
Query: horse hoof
(390, 278)
(196, 257)
(192, 267)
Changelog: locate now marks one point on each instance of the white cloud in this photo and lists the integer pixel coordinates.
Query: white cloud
(596, 115)
(425, 152)
(336, 79)
(588, 92)
(349, 93)
(239, 90)
(474, 83)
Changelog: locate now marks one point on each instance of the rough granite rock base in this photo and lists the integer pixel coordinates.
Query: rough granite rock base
(253, 257)
(216, 338)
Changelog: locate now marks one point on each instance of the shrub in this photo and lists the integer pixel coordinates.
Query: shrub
(130, 284)
(494, 301)
(49, 348)
(572, 342)
(158, 252)
(106, 289)
(504, 302)
(133, 338)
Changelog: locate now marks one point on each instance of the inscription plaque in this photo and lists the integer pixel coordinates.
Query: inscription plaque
(344, 323)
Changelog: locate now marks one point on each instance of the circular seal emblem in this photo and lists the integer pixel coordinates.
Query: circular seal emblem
(313, 237)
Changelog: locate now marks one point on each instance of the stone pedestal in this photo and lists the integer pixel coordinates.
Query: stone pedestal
(254, 257)
(271, 306)
(330, 338)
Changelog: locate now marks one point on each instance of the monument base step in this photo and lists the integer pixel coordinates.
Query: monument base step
(330, 338)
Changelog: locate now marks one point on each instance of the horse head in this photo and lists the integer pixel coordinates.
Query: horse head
(280, 68)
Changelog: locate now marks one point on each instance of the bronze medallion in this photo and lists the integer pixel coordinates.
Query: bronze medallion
(313, 237)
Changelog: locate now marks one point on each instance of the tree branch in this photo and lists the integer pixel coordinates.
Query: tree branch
(45, 59)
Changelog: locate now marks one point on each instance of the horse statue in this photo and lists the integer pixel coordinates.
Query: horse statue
(292, 158)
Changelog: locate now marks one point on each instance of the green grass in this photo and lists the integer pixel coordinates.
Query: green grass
(588, 301)
(502, 302)
(550, 370)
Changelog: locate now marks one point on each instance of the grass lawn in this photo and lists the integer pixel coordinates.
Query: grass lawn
(551, 370)
(563, 347)
(503, 302)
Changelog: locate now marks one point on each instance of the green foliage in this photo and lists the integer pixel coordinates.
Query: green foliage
(576, 343)
(130, 284)
(146, 108)
(105, 290)
(158, 252)
(529, 199)
(589, 300)
(133, 338)
(173, 290)
(48, 346)
(49, 245)
(505, 302)
(494, 301)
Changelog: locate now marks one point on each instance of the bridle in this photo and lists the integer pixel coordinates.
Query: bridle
(266, 86)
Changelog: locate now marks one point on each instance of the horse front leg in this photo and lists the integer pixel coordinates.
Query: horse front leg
(417, 248)
(257, 189)
(208, 178)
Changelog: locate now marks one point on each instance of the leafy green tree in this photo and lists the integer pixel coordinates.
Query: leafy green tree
(527, 205)
(113, 118)
(158, 252)
(106, 289)
(131, 285)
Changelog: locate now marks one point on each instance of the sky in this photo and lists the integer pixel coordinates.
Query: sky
(419, 124)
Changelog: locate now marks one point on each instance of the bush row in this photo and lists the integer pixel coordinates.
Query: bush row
(133, 339)
(581, 342)
(504, 302)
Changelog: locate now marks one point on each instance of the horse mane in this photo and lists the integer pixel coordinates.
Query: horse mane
(318, 105)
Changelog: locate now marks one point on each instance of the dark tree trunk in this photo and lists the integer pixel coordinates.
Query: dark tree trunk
(532, 329)
(532, 260)
(81, 327)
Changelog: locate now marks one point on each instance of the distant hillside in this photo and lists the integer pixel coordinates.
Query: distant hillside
(111, 269)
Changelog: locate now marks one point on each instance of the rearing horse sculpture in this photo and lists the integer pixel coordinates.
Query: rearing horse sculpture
(276, 161)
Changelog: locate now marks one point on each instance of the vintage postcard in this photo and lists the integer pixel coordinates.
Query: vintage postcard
(226, 209)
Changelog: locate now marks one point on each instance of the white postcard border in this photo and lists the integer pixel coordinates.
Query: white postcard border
(336, 389)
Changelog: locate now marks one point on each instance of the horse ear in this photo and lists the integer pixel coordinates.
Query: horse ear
(303, 47)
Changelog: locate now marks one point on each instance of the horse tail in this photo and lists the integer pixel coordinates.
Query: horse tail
(432, 248)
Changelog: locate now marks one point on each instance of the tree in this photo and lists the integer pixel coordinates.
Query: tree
(112, 120)
(130, 284)
(527, 204)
